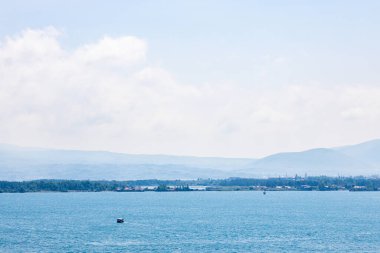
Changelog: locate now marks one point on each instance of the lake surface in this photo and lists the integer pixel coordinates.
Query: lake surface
(190, 222)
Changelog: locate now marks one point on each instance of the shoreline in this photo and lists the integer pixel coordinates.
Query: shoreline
(321, 183)
(262, 191)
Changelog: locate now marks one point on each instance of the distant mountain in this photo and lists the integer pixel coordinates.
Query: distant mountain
(359, 159)
(368, 151)
(321, 161)
(19, 163)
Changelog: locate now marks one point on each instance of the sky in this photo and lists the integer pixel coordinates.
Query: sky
(205, 78)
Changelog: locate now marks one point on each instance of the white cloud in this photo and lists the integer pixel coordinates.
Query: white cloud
(31, 46)
(106, 95)
(124, 51)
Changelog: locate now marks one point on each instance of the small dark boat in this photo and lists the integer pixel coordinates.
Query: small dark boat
(120, 220)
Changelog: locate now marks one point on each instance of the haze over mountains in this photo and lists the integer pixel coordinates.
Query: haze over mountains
(18, 163)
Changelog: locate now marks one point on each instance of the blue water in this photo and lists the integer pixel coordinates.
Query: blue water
(191, 222)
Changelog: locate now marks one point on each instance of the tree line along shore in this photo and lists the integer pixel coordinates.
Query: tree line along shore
(321, 183)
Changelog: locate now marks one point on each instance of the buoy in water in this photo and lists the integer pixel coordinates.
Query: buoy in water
(264, 192)
(120, 220)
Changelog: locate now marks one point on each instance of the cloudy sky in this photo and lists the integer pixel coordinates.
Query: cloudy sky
(209, 78)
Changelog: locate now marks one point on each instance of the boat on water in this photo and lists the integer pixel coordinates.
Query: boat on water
(120, 220)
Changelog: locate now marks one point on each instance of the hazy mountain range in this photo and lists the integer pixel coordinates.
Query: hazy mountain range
(19, 163)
